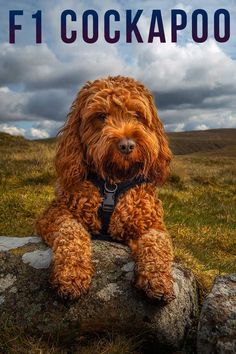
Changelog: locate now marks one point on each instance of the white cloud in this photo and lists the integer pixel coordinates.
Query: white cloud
(184, 7)
(179, 127)
(201, 127)
(4, 89)
(38, 133)
(10, 129)
(30, 133)
(49, 126)
(199, 119)
(190, 66)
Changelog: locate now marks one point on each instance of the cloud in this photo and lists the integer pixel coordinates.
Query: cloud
(186, 67)
(52, 103)
(30, 133)
(35, 106)
(12, 105)
(201, 127)
(25, 64)
(184, 7)
(189, 119)
(194, 85)
(38, 68)
(38, 134)
(50, 126)
(11, 129)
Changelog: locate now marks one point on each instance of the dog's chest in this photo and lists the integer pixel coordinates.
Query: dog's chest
(135, 210)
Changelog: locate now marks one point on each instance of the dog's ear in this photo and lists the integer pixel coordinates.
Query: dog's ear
(69, 162)
(161, 167)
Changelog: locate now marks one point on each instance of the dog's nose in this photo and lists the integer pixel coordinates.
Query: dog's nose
(126, 145)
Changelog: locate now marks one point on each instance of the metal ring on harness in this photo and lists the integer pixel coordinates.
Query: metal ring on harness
(110, 190)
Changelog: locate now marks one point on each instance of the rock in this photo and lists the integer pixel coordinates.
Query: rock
(217, 325)
(7, 243)
(112, 303)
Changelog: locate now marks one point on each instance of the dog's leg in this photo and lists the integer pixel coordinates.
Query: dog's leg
(153, 256)
(71, 244)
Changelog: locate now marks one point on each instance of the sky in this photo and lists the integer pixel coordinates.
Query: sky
(194, 84)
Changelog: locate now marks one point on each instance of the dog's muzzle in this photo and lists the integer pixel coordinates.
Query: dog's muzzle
(126, 145)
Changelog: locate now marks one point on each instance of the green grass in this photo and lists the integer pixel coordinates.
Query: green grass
(199, 203)
(26, 185)
(200, 212)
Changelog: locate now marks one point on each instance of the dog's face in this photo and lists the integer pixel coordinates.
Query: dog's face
(116, 132)
(113, 130)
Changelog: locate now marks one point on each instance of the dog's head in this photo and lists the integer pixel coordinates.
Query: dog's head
(113, 130)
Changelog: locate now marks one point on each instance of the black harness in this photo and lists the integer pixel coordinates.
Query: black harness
(110, 195)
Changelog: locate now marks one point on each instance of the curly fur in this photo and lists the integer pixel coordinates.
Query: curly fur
(104, 112)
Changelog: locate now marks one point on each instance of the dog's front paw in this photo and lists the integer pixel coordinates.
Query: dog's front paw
(156, 286)
(71, 283)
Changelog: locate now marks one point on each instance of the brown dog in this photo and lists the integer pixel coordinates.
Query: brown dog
(112, 139)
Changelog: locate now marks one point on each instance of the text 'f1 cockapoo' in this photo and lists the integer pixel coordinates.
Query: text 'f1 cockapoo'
(112, 154)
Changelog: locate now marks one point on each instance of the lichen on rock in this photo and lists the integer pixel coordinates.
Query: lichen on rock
(217, 325)
(112, 302)
(6, 282)
(109, 291)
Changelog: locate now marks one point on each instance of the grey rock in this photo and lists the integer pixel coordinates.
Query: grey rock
(38, 259)
(9, 243)
(217, 325)
(129, 267)
(112, 302)
(6, 282)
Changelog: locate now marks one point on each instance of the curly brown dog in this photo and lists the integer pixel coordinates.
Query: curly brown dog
(112, 135)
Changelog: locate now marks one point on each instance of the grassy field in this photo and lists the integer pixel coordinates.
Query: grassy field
(199, 199)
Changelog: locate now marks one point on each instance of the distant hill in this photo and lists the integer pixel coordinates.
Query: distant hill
(181, 143)
(12, 140)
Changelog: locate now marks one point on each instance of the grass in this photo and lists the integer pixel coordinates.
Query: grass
(26, 184)
(20, 343)
(199, 202)
(200, 212)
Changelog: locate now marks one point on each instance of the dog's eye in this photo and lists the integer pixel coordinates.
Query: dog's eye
(140, 116)
(101, 116)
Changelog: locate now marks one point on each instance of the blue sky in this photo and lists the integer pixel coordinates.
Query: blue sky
(194, 85)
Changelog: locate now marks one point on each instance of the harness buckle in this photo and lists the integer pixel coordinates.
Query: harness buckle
(109, 198)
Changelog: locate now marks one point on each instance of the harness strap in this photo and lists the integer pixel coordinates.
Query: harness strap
(110, 195)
